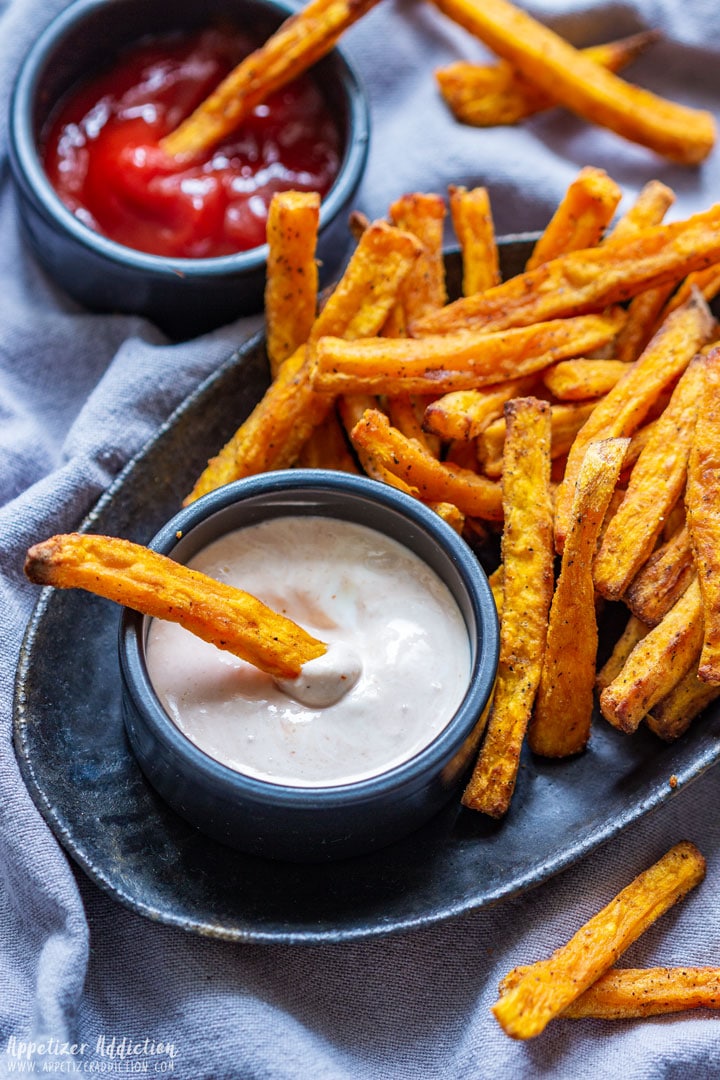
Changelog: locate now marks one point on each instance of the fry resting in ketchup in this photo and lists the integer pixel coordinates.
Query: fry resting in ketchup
(104, 156)
(155, 585)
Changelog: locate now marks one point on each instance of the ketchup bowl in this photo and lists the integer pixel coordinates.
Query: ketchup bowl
(363, 802)
(197, 280)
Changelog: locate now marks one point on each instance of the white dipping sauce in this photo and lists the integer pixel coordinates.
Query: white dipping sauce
(360, 592)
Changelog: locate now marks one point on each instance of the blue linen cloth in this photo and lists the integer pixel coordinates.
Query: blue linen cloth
(79, 395)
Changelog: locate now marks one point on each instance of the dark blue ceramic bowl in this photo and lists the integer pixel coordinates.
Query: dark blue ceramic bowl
(312, 824)
(183, 296)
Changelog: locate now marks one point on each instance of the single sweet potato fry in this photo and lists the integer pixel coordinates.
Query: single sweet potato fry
(656, 484)
(649, 208)
(464, 414)
(565, 422)
(301, 40)
(527, 560)
(581, 217)
(579, 380)
(634, 993)
(423, 290)
(662, 579)
(675, 131)
(672, 716)
(421, 472)
(473, 224)
(292, 274)
(626, 406)
(561, 720)
(486, 95)
(586, 280)
(656, 664)
(155, 585)
(460, 361)
(702, 501)
(274, 433)
(529, 1001)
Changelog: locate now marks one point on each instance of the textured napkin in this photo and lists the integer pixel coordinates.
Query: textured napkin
(83, 978)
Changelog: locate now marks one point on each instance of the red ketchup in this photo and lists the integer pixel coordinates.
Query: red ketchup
(102, 156)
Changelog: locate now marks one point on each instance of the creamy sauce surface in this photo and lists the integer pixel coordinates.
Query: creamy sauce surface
(370, 599)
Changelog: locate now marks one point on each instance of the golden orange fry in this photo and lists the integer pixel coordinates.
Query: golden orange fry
(581, 217)
(565, 422)
(561, 720)
(486, 95)
(672, 716)
(634, 993)
(420, 472)
(578, 380)
(464, 414)
(473, 224)
(675, 131)
(649, 208)
(542, 991)
(423, 290)
(460, 361)
(586, 280)
(157, 586)
(292, 273)
(527, 576)
(702, 500)
(656, 483)
(302, 39)
(625, 407)
(656, 664)
(662, 579)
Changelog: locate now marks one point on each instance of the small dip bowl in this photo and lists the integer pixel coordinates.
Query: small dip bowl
(309, 823)
(183, 296)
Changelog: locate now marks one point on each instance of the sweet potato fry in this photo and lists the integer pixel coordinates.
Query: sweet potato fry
(625, 407)
(430, 479)
(634, 993)
(578, 380)
(662, 579)
(702, 501)
(682, 134)
(464, 414)
(672, 716)
(527, 560)
(405, 413)
(649, 208)
(561, 720)
(301, 40)
(155, 585)
(488, 95)
(656, 483)
(643, 317)
(586, 280)
(281, 422)
(581, 217)
(460, 361)
(706, 281)
(633, 631)
(292, 273)
(473, 224)
(656, 664)
(565, 422)
(424, 289)
(529, 1001)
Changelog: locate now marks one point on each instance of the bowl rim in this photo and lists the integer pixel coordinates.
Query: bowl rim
(28, 171)
(428, 761)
